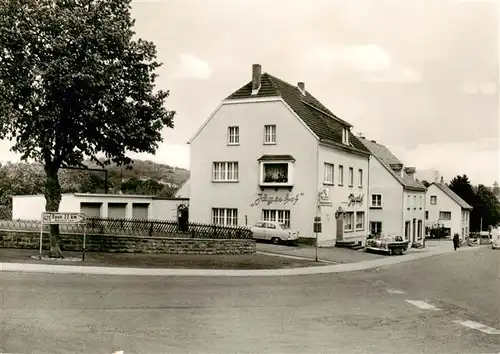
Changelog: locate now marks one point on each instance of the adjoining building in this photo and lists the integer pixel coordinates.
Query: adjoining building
(120, 206)
(271, 151)
(446, 211)
(397, 198)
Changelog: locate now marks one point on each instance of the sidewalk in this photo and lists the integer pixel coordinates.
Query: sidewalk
(319, 268)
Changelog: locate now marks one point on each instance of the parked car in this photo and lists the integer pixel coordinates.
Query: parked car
(274, 231)
(387, 244)
(495, 238)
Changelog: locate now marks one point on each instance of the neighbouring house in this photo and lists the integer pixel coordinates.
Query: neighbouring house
(271, 151)
(396, 197)
(31, 207)
(446, 211)
(183, 190)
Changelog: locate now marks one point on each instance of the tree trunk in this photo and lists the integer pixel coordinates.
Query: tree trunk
(52, 201)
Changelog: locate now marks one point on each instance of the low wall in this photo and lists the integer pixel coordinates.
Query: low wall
(129, 244)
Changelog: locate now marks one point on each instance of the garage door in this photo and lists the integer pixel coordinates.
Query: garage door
(91, 210)
(117, 210)
(140, 210)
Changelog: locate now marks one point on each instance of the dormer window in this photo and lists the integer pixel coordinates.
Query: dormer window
(345, 136)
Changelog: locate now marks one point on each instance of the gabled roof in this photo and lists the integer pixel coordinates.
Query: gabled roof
(446, 190)
(326, 125)
(387, 158)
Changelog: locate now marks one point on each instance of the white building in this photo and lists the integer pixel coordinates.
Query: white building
(183, 189)
(31, 207)
(268, 152)
(446, 209)
(397, 198)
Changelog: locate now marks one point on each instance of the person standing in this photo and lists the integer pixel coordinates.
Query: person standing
(456, 240)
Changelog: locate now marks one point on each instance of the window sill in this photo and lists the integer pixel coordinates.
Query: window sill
(329, 184)
(375, 207)
(347, 231)
(222, 181)
(360, 186)
(341, 184)
(351, 185)
(362, 229)
(270, 143)
(229, 144)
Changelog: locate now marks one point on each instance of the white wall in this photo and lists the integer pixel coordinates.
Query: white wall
(30, 207)
(444, 203)
(293, 138)
(391, 213)
(183, 192)
(414, 210)
(339, 194)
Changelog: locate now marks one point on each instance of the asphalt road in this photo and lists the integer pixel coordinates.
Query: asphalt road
(359, 312)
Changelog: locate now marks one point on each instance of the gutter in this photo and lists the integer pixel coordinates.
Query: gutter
(344, 148)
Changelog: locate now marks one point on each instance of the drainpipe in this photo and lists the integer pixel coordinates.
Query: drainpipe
(403, 221)
(317, 191)
(368, 198)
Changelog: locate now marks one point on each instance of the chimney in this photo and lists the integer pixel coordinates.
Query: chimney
(410, 172)
(302, 88)
(256, 78)
(442, 181)
(373, 141)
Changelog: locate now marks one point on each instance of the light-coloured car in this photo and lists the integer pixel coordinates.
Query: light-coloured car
(274, 231)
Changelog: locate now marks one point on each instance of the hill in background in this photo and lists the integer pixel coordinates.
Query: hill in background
(142, 177)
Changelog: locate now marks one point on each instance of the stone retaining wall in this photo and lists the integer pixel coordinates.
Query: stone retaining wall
(129, 244)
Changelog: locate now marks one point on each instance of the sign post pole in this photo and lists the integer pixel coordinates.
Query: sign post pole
(84, 241)
(317, 230)
(41, 239)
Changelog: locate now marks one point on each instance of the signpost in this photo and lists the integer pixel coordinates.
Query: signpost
(57, 218)
(317, 229)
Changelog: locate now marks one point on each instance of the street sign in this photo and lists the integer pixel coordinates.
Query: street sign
(317, 227)
(56, 218)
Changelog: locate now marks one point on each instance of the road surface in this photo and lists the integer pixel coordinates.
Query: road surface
(442, 304)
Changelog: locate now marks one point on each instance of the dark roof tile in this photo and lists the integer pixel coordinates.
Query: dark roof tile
(326, 125)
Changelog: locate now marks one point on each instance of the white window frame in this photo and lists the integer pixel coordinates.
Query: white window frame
(360, 178)
(329, 173)
(345, 136)
(379, 229)
(376, 205)
(433, 197)
(277, 162)
(349, 215)
(444, 212)
(225, 171)
(340, 182)
(351, 176)
(362, 227)
(233, 135)
(277, 215)
(225, 216)
(270, 134)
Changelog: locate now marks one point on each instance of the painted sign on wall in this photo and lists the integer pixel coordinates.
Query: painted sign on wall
(355, 199)
(266, 199)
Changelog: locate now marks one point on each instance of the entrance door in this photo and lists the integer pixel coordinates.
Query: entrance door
(414, 230)
(340, 229)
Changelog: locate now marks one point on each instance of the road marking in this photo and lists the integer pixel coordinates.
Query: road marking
(395, 291)
(292, 257)
(422, 304)
(479, 327)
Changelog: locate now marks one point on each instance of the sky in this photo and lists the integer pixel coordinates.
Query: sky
(419, 76)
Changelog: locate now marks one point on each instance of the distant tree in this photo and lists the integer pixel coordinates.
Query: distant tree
(496, 189)
(75, 83)
(436, 175)
(464, 189)
(489, 207)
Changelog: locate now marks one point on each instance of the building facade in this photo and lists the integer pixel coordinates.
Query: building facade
(31, 207)
(271, 151)
(397, 198)
(447, 210)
